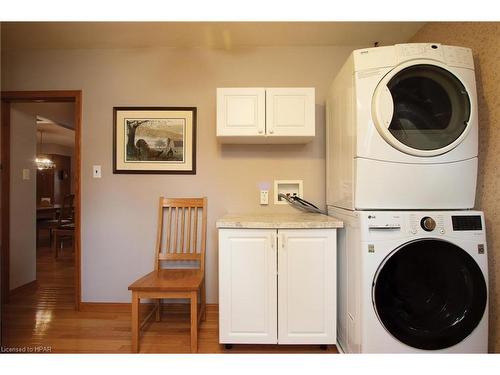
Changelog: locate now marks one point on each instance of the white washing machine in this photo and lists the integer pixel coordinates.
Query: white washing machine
(402, 129)
(412, 282)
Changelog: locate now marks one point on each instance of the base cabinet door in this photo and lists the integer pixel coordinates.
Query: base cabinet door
(247, 286)
(307, 286)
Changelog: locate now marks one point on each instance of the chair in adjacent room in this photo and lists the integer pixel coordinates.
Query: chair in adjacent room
(65, 216)
(65, 227)
(181, 239)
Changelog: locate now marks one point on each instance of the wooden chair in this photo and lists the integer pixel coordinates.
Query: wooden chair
(65, 217)
(183, 238)
(61, 232)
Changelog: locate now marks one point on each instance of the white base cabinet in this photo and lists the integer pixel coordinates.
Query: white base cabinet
(247, 286)
(277, 286)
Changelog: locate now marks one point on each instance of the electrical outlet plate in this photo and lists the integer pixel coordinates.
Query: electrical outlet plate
(292, 187)
(264, 197)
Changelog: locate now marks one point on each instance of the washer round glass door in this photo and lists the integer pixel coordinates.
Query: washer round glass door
(421, 109)
(429, 294)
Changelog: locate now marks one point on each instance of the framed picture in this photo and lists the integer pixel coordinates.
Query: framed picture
(154, 140)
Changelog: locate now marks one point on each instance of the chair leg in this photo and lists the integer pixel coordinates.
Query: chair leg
(158, 310)
(54, 244)
(194, 322)
(50, 236)
(203, 301)
(135, 322)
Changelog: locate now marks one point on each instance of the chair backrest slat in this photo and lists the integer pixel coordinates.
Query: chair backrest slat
(185, 238)
(159, 234)
(174, 247)
(195, 232)
(183, 212)
(188, 248)
(169, 221)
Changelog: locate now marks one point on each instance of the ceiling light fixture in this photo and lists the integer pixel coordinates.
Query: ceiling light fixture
(42, 161)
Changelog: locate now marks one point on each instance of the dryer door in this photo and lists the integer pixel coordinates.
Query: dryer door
(429, 294)
(421, 108)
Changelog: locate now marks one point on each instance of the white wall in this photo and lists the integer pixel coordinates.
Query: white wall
(22, 197)
(118, 211)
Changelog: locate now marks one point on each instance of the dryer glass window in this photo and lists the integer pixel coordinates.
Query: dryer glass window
(430, 294)
(431, 107)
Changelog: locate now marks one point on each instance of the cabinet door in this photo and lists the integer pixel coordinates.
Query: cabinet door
(247, 286)
(240, 111)
(307, 286)
(290, 112)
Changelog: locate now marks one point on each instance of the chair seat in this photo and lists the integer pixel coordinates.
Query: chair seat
(175, 280)
(53, 223)
(70, 226)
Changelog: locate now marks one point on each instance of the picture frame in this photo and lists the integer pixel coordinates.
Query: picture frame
(154, 140)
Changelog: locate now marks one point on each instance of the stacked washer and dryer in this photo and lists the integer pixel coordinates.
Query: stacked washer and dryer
(402, 145)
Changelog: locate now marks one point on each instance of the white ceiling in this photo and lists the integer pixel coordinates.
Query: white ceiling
(227, 35)
(54, 133)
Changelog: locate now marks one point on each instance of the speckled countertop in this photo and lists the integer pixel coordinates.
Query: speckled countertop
(279, 221)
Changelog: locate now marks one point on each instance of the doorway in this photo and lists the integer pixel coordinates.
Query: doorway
(9, 98)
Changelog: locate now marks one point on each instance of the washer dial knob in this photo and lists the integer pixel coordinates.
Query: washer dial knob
(428, 223)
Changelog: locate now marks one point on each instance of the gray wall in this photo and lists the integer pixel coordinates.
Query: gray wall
(22, 197)
(119, 211)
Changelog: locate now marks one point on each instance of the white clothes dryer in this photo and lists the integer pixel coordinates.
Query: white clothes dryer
(402, 129)
(412, 282)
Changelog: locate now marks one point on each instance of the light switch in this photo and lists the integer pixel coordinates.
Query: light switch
(96, 171)
(26, 174)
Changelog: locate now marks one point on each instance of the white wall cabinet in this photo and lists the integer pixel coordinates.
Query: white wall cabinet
(265, 115)
(277, 286)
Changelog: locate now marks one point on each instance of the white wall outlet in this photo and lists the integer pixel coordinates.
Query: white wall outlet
(96, 171)
(287, 187)
(264, 197)
(26, 174)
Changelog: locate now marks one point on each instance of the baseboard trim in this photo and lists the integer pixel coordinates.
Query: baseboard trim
(126, 306)
(29, 285)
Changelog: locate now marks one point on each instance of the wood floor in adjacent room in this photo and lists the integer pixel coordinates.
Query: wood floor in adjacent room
(43, 316)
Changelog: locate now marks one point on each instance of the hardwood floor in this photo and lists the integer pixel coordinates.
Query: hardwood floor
(41, 318)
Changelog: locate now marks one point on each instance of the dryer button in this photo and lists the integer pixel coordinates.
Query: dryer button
(441, 231)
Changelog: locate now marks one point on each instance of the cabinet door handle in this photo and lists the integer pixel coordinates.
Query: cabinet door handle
(261, 131)
(271, 131)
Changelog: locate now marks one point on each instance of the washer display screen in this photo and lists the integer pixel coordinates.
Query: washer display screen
(429, 294)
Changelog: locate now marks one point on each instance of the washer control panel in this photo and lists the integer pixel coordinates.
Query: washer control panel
(428, 223)
(385, 225)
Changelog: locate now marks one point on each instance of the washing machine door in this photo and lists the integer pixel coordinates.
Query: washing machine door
(429, 294)
(421, 108)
